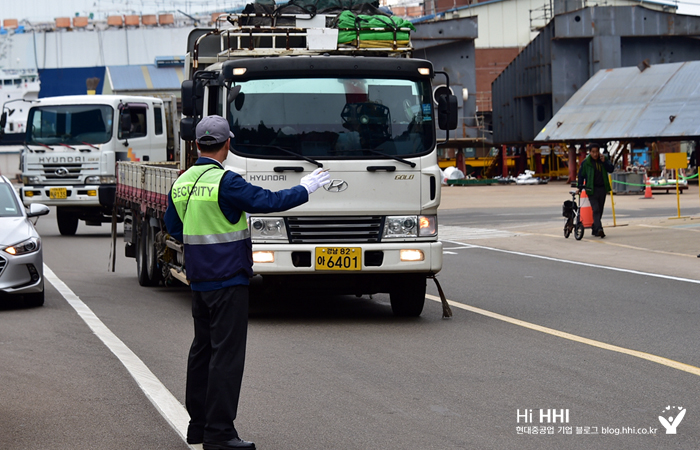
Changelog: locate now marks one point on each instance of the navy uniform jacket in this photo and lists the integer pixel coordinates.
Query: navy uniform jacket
(237, 196)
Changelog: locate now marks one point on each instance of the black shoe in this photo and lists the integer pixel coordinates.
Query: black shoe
(195, 435)
(601, 234)
(195, 439)
(231, 443)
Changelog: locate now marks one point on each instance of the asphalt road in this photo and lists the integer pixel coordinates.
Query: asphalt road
(343, 373)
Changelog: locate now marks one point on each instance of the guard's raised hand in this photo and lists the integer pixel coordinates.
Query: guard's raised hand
(315, 179)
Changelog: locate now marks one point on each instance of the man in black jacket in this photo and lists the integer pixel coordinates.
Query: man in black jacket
(593, 176)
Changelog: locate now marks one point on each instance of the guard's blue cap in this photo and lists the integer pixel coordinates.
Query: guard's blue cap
(213, 130)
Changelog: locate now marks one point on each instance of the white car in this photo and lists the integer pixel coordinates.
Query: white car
(21, 260)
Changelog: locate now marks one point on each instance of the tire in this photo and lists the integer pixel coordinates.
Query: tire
(154, 272)
(146, 263)
(33, 300)
(408, 297)
(578, 231)
(567, 229)
(67, 222)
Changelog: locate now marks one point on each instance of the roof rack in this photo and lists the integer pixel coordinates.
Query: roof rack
(256, 35)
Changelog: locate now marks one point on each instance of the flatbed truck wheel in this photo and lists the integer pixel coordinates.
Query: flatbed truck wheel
(146, 258)
(408, 296)
(67, 222)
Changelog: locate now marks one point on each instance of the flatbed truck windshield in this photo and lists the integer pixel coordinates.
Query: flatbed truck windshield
(332, 118)
(70, 124)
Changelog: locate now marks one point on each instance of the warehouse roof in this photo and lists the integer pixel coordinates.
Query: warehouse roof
(644, 102)
(144, 78)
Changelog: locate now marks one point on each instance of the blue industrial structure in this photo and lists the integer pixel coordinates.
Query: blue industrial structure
(571, 49)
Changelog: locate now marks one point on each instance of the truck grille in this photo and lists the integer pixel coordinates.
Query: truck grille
(62, 172)
(334, 229)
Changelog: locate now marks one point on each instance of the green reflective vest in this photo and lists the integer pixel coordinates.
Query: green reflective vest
(215, 249)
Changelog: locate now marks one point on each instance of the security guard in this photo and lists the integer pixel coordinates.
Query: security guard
(206, 211)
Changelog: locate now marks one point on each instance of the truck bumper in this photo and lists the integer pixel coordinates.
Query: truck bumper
(384, 258)
(80, 195)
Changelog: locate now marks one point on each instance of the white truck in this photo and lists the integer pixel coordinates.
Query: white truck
(73, 143)
(297, 100)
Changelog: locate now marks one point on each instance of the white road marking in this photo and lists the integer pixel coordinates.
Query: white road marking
(164, 401)
(595, 266)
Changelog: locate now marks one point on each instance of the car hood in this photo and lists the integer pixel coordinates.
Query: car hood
(14, 230)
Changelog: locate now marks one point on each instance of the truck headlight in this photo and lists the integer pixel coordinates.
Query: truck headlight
(267, 228)
(410, 226)
(427, 225)
(30, 180)
(31, 245)
(101, 179)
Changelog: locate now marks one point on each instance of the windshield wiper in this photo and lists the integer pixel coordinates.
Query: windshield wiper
(285, 150)
(66, 145)
(377, 152)
(27, 144)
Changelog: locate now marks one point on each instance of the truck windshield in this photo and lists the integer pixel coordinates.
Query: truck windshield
(70, 124)
(332, 118)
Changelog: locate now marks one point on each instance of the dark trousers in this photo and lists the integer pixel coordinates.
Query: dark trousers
(597, 200)
(216, 361)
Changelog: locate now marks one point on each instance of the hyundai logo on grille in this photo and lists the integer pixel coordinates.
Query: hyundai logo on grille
(61, 172)
(336, 186)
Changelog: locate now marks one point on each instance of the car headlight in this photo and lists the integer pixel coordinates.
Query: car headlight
(267, 228)
(410, 226)
(31, 245)
(101, 179)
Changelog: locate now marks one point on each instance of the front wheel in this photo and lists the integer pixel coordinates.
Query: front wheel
(578, 231)
(408, 297)
(567, 228)
(67, 222)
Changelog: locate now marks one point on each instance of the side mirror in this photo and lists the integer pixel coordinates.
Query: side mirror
(232, 94)
(125, 124)
(37, 209)
(187, 92)
(447, 112)
(187, 128)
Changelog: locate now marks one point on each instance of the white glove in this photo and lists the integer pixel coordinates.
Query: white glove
(315, 179)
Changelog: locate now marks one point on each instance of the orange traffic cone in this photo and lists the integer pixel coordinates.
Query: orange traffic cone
(647, 189)
(586, 210)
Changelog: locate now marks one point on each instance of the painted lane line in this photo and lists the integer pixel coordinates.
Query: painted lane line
(572, 337)
(164, 401)
(578, 263)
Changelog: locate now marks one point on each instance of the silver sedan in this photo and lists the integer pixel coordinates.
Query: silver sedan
(21, 261)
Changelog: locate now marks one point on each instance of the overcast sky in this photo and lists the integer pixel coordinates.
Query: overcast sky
(48, 10)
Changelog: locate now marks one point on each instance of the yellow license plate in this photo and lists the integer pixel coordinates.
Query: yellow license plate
(58, 193)
(338, 258)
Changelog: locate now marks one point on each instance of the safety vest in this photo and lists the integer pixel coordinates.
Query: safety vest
(215, 249)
